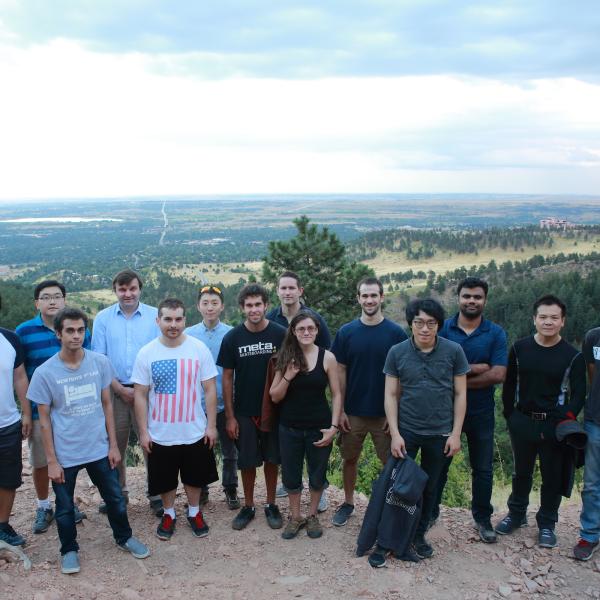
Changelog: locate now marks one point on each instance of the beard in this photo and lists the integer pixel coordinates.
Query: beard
(471, 313)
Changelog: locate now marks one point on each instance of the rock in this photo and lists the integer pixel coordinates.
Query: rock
(504, 590)
(129, 594)
(531, 586)
(525, 565)
(293, 580)
(514, 580)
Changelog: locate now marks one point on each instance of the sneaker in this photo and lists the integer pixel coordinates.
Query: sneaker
(584, 550)
(166, 529)
(342, 514)
(547, 538)
(43, 518)
(243, 517)
(422, 547)
(156, 506)
(273, 516)
(231, 497)
(281, 492)
(377, 557)
(323, 502)
(69, 563)
(510, 523)
(10, 536)
(313, 527)
(409, 555)
(198, 525)
(486, 531)
(203, 496)
(135, 548)
(79, 515)
(292, 528)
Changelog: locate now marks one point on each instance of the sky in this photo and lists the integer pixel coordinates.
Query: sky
(121, 98)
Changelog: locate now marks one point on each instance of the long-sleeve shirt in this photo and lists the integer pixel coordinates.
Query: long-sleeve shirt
(535, 375)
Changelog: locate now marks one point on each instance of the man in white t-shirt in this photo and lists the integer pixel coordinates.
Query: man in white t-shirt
(169, 375)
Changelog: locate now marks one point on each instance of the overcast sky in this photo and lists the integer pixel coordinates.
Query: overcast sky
(144, 97)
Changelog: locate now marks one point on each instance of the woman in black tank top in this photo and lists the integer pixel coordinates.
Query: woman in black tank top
(307, 425)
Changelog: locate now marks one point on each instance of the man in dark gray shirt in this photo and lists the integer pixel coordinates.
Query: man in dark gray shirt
(426, 400)
(590, 514)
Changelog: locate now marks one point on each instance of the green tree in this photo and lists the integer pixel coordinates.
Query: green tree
(328, 276)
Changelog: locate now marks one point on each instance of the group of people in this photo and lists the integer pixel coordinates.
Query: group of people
(260, 390)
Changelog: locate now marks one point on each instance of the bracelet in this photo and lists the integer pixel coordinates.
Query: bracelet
(286, 379)
(332, 425)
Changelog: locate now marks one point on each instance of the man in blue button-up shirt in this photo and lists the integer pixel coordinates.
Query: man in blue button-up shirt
(119, 332)
(484, 344)
(211, 331)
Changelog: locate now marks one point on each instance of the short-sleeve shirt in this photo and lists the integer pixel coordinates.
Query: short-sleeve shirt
(323, 339)
(39, 344)
(487, 344)
(248, 354)
(213, 339)
(426, 404)
(175, 376)
(362, 349)
(120, 338)
(11, 357)
(75, 400)
(591, 353)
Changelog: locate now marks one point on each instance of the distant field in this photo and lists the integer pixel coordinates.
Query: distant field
(215, 272)
(389, 262)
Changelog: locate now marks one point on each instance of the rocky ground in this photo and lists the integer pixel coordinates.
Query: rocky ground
(258, 563)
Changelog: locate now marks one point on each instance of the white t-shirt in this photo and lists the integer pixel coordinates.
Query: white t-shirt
(175, 414)
(11, 357)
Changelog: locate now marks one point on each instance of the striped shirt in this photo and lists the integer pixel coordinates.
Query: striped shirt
(39, 344)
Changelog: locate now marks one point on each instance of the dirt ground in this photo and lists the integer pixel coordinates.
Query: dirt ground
(258, 563)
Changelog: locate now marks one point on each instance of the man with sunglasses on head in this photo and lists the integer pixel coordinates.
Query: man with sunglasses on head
(484, 344)
(39, 342)
(425, 401)
(120, 331)
(211, 330)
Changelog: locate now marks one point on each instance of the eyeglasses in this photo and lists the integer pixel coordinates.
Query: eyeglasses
(419, 324)
(309, 329)
(47, 298)
(210, 288)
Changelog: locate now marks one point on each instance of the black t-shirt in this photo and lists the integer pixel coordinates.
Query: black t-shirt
(539, 372)
(248, 354)
(305, 404)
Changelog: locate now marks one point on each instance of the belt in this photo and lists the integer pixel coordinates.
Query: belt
(536, 416)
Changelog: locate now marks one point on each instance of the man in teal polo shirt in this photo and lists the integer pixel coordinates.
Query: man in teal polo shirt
(40, 343)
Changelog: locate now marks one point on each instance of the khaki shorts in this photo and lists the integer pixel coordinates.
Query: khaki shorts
(351, 443)
(37, 454)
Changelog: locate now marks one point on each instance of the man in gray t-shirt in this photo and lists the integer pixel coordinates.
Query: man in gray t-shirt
(426, 400)
(72, 391)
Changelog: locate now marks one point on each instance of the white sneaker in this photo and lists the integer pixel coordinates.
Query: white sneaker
(323, 502)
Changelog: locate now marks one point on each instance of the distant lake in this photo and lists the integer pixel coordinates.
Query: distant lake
(56, 220)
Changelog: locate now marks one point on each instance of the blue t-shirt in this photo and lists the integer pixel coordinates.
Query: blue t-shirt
(363, 350)
(39, 344)
(487, 344)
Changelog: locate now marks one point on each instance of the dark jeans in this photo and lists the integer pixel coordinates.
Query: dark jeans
(433, 461)
(107, 482)
(479, 430)
(529, 439)
(295, 444)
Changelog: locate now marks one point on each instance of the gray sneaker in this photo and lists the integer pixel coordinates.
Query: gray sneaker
(69, 563)
(342, 514)
(323, 502)
(135, 547)
(79, 515)
(281, 492)
(43, 518)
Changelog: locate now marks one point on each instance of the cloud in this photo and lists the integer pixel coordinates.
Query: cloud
(339, 38)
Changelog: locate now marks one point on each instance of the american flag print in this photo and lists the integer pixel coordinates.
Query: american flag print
(175, 390)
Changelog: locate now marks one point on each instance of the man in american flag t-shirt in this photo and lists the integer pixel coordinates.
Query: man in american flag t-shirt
(170, 375)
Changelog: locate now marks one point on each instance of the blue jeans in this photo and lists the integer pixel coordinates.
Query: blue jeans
(590, 514)
(295, 445)
(107, 482)
(479, 431)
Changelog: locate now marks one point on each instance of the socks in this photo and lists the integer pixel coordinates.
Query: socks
(170, 512)
(45, 504)
(193, 510)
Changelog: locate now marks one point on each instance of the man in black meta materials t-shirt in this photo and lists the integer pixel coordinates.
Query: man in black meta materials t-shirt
(545, 384)
(245, 352)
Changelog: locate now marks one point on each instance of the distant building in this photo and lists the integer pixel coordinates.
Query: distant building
(555, 223)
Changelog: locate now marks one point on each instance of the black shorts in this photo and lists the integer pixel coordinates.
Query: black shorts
(255, 446)
(11, 464)
(194, 463)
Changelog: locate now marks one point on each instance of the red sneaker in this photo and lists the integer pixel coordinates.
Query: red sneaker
(166, 529)
(198, 525)
(584, 549)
